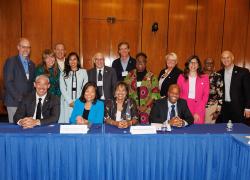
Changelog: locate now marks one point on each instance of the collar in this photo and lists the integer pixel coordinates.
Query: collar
(43, 97)
(126, 60)
(98, 69)
(23, 59)
(230, 69)
(170, 104)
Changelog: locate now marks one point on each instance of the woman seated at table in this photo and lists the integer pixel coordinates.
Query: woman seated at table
(88, 109)
(121, 111)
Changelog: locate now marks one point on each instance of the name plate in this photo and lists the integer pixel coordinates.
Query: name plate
(73, 129)
(143, 130)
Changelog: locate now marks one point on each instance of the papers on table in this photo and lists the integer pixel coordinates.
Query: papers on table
(158, 126)
(73, 129)
(143, 130)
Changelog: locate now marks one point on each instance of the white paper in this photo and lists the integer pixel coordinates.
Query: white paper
(124, 73)
(157, 126)
(73, 129)
(143, 130)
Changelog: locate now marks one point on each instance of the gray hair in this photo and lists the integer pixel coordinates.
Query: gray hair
(42, 76)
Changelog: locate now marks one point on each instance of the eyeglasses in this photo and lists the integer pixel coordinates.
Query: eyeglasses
(25, 47)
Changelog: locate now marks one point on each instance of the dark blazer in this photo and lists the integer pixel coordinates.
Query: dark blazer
(50, 108)
(239, 89)
(109, 80)
(170, 79)
(16, 83)
(159, 111)
(117, 65)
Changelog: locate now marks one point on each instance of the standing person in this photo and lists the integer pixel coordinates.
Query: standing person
(170, 74)
(236, 96)
(19, 75)
(214, 103)
(60, 53)
(125, 63)
(72, 81)
(50, 68)
(103, 76)
(143, 86)
(194, 86)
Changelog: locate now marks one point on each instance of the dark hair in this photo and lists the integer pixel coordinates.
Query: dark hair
(187, 70)
(49, 53)
(86, 86)
(123, 84)
(141, 54)
(67, 67)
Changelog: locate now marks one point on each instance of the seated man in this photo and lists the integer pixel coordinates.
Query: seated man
(38, 108)
(171, 109)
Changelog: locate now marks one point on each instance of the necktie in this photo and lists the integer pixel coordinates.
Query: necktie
(172, 112)
(39, 109)
(99, 79)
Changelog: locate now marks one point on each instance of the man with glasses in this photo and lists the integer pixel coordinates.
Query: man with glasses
(103, 76)
(19, 75)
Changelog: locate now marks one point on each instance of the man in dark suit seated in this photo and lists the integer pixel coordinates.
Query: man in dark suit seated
(104, 77)
(38, 108)
(171, 109)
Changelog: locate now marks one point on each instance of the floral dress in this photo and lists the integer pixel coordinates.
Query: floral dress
(148, 90)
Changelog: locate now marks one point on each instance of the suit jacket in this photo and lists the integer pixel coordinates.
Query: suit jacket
(170, 79)
(96, 112)
(197, 105)
(50, 108)
(239, 88)
(16, 83)
(117, 65)
(109, 80)
(159, 111)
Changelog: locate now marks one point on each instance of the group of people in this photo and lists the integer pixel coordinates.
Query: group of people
(59, 90)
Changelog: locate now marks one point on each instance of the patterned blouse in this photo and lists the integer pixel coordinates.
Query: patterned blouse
(148, 90)
(129, 109)
(216, 89)
(54, 80)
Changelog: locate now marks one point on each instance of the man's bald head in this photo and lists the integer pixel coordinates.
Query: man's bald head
(173, 93)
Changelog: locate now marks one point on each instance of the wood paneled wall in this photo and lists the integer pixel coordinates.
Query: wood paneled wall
(186, 27)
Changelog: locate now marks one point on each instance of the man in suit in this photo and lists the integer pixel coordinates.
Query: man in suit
(236, 90)
(19, 75)
(60, 53)
(124, 63)
(103, 76)
(171, 109)
(38, 108)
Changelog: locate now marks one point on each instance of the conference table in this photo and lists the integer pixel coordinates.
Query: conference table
(194, 152)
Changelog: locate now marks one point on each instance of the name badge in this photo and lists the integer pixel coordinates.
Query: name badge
(27, 75)
(99, 83)
(74, 83)
(138, 84)
(124, 73)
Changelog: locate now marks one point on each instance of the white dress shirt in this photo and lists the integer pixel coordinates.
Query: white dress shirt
(37, 100)
(227, 80)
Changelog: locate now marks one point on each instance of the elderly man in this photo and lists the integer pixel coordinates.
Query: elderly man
(19, 75)
(236, 96)
(171, 109)
(103, 76)
(38, 108)
(60, 53)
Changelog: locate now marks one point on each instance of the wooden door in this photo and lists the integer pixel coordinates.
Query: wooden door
(99, 35)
